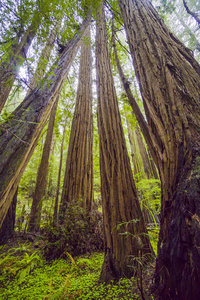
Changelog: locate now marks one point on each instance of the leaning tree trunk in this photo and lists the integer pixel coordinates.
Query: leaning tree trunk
(121, 208)
(149, 168)
(39, 73)
(7, 229)
(169, 80)
(9, 70)
(44, 58)
(78, 181)
(188, 31)
(193, 14)
(18, 137)
(41, 182)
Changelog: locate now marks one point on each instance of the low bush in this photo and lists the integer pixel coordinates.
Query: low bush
(79, 233)
(68, 279)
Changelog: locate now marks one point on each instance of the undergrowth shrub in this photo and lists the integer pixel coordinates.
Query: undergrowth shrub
(79, 233)
(63, 279)
(17, 263)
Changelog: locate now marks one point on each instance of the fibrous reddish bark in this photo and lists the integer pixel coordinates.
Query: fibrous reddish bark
(169, 80)
(41, 181)
(55, 214)
(18, 142)
(78, 181)
(119, 197)
(7, 229)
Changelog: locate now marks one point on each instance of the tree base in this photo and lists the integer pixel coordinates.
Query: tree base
(178, 264)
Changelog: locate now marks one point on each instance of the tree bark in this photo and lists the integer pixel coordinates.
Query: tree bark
(170, 86)
(55, 214)
(137, 164)
(19, 136)
(8, 226)
(119, 196)
(149, 168)
(41, 182)
(78, 181)
(144, 155)
(132, 101)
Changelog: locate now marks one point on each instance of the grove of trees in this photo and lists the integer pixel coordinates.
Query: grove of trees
(100, 118)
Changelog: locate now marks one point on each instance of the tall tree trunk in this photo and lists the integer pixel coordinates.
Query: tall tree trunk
(142, 166)
(44, 57)
(132, 101)
(18, 137)
(37, 76)
(55, 214)
(144, 155)
(169, 80)
(78, 181)
(9, 70)
(42, 175)
(137, 165)
(149, 167)
(119, 196)
(8, 226)
(153, 165)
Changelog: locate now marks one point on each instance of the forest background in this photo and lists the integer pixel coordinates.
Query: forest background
(47, 27)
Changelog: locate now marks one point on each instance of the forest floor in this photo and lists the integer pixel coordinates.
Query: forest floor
(25, 274)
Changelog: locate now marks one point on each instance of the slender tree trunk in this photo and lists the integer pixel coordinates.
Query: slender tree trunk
(44, 57)
(188, 30)
(169, 80)
(119, 196)
(136, 158)
(42, 175)
(78, 181)
(193, 14)
(8, 226)
(149, 167)
(18, 137)
(9, 70)
(153, 165)
(142, 166)
(55, 214)
(132, 101)
(144, 155)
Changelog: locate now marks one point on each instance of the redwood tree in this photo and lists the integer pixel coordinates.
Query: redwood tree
(169, 80)
(19, 136)
(41, 182)
(7, 229)
(55, 213)
(44, 57)
(121, 208)
(78, 181)
(10, 67)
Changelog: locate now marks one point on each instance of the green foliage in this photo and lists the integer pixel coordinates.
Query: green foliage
(151, 193)
(64, 280)
(17, 266)
(79, 233)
